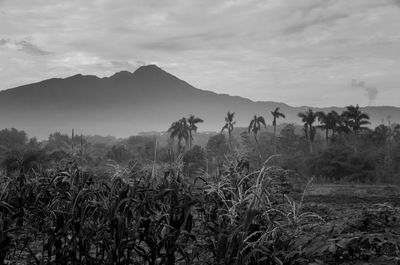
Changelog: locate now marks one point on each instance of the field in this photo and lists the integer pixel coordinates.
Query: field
(362, 220)
(154, 214)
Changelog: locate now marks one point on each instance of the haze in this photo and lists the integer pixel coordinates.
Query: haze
(317, 53)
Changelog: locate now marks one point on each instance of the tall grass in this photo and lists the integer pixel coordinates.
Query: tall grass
(152, 214)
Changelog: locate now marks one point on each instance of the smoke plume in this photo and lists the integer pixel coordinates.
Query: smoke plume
(370, 91)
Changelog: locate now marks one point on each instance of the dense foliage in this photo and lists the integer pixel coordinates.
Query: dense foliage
(155, 214)
(100, 200)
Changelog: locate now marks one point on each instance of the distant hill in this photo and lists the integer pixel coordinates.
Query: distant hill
(125, 103)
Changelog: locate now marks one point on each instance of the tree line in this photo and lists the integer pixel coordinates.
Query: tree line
(352, 120)
(329, 145)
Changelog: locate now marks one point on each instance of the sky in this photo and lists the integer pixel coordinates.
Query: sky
(300, 52)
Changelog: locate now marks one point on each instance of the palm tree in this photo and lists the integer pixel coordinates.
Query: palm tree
(333, 121)
(192, 121)
(276, 114)
(179, 129)
(229, 123)
(324, 123)
(308, 118)
(355, 120)
(336, 123)
(255, 126)
(342, 126)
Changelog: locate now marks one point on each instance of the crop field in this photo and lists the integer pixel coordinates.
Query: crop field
(155, 215)
(358, 230)
(250, 196)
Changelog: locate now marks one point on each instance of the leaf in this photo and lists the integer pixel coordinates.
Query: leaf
(316, 262)
(317, 249)
(162, 194)
(250, 215)
(190, 235)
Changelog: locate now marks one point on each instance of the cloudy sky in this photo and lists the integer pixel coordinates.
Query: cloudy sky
(301, 52)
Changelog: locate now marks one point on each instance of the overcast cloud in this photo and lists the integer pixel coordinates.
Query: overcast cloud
(304, 52)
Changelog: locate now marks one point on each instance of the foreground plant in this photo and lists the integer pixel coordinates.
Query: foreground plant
(154, 214)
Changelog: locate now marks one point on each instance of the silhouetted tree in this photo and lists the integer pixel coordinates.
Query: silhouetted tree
(276, 114)
(229, 124)
(324, 123)
(192, 121)
(255, 126)
(355, 119)
(308, 118)
(180, 130)
(333, 122)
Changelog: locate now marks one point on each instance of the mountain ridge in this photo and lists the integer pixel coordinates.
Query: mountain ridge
(126, 103)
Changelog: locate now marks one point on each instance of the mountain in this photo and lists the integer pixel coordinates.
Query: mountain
(125, 103)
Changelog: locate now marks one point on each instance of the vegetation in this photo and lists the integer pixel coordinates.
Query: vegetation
(93, 200)
(229, 125)
(337, 149)
(355, 121)
(308, 118)
(192, 121)
(147, 215)
(276, 115)
(255, 126)
(181, 130)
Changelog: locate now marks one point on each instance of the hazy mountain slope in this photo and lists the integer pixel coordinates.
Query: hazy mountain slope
(127, 103)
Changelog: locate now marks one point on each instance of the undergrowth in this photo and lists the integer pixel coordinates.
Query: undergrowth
(154, 214)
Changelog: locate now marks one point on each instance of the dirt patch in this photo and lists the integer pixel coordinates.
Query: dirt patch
(353, 190)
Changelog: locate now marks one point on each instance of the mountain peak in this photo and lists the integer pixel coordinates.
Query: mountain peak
(150, 70)
(78, 78)
(149, 67)
(121, 74)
